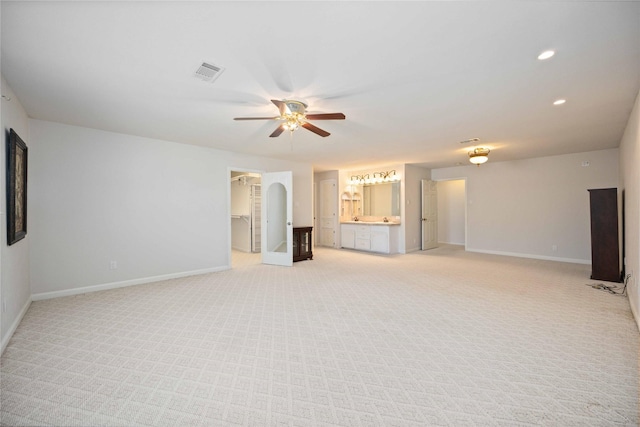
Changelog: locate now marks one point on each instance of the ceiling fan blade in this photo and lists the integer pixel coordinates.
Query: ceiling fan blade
(256, 118)
(278, 131)
(315, 129)
(327, 116)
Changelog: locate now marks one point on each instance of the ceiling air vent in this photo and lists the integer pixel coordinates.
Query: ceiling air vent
(208, 72)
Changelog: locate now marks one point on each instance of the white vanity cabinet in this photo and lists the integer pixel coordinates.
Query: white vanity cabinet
(372, 237)
(348, 236)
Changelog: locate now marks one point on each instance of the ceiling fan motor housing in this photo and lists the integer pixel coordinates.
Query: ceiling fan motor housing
(292, 107)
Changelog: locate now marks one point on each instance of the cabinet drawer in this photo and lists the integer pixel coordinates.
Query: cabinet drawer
(363, 234)
(364, 244)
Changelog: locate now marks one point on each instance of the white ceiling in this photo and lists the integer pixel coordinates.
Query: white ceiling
(413, 78)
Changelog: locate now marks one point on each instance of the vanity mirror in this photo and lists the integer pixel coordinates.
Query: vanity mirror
(381, 199)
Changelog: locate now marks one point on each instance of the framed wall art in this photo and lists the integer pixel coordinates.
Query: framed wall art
(16, 188)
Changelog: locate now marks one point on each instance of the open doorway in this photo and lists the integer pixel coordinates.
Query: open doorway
(452, 212)
(246, 222)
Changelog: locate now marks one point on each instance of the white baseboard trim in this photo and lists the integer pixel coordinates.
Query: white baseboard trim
(124, 283)
(14, 325)
(542, 257)
(452, 243)
(634, 313)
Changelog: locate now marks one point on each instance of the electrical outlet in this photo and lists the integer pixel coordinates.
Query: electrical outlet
(4, 305)
(113, 265)
(554, 248)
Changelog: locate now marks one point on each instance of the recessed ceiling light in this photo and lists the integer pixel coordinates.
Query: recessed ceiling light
(546, 54)
(559, 101)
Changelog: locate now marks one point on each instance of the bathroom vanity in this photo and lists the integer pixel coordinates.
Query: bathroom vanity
(381, 237)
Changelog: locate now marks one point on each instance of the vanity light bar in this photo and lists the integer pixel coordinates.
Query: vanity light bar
(378, 178)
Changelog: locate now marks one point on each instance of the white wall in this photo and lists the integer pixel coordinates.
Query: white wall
(630, 179)
(240, 198)
(526, 207)
(158, 208)
(14, 271)
(451, 211)
(15, 293)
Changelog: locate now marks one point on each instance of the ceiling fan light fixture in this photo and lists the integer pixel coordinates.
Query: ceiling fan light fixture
(479, 155)
(293, 114)
(291, 125)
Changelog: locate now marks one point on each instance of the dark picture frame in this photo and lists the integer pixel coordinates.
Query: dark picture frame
(17, 154)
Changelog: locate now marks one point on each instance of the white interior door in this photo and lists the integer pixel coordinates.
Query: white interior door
(328, 212)
(429, 214)
(277, 218)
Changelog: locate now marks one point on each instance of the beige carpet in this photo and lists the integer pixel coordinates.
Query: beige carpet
(442, 337)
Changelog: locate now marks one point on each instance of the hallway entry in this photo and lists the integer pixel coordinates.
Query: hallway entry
(452, 203)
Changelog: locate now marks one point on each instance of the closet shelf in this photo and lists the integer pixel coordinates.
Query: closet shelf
(244, 217)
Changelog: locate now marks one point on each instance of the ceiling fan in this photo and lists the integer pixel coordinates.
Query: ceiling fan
(293, 115)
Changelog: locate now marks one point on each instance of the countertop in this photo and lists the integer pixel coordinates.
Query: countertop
(370, 222)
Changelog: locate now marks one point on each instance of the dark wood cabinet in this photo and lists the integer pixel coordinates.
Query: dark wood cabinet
(605, 248)
(302, 245)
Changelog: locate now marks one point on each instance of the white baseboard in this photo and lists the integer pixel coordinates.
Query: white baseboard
(14, 325)
(122, 284)
(542, 257)
(452, 243)
(633, 312)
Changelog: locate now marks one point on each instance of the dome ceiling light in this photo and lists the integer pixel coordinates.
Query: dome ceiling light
(546, 55)
(479, 155)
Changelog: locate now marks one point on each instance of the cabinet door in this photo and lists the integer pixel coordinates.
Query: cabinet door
(348, 237)
(305, 246)
(296, 243)
(380, 240)
(363, 244)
